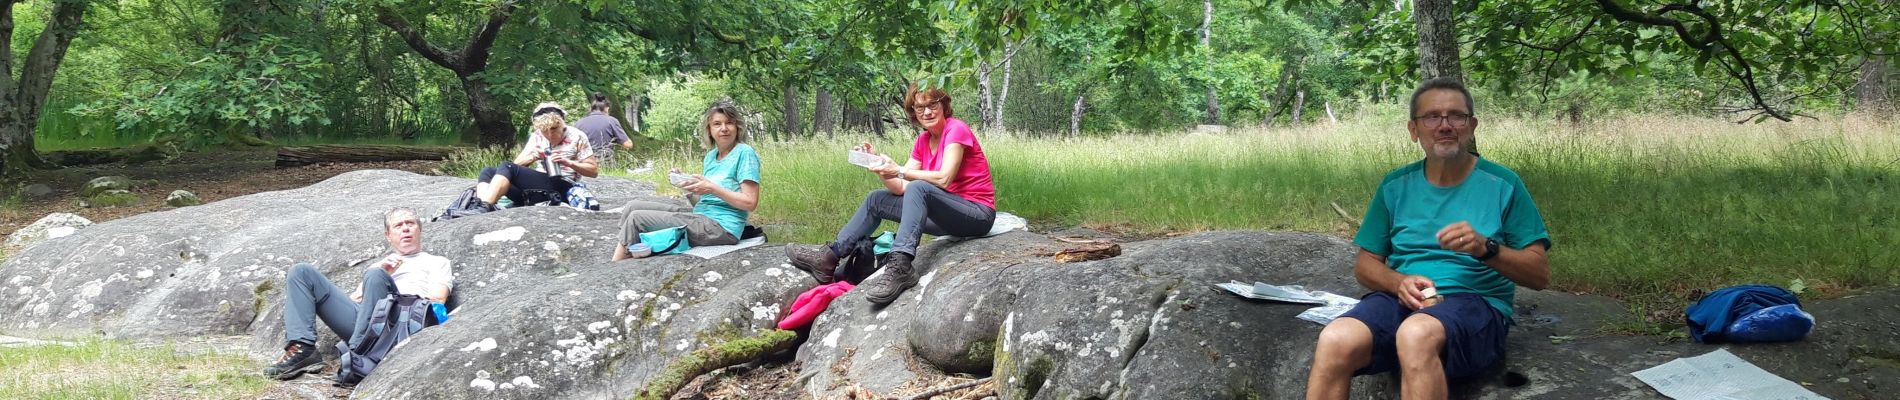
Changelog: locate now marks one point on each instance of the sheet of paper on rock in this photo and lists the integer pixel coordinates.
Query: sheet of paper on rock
(1720, 375)
(1331, 305)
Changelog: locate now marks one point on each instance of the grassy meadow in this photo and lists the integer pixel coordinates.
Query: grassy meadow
(1646, 208)
(113, 369)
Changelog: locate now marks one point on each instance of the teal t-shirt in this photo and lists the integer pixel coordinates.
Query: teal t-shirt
(741, 165)
(1407, 211)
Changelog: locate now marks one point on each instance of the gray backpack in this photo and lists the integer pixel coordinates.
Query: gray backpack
(394, 319)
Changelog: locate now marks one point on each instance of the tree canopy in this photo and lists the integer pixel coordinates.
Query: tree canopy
(209, 71)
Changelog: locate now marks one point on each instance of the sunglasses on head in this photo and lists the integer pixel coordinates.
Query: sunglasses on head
(545, 110)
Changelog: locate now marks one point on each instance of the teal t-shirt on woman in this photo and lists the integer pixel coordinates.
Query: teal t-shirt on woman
(1407, 211)
(739, 165)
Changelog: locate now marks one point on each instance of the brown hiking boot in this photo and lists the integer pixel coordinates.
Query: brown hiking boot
(299, 358)
(816, 260)
(894, 280)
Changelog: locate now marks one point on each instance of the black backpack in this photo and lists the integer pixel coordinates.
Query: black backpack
(860, 260)
(395, 318)
(465, 205)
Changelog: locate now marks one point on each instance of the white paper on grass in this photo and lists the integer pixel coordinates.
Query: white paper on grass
(1720, 375)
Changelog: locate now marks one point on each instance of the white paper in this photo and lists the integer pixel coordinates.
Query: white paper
(709, 252)
(1331, 305)
(1005, 222)
(1720, 375)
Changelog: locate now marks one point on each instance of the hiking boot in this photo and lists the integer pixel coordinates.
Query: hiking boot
(298, 358)
(815, 260)
(897, 277)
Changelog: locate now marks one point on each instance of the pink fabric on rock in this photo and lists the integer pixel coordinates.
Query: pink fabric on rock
(811, 303)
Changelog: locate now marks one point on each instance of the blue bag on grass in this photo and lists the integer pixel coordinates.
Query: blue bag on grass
(1748, 313)
(666, 241)
(1782, 323)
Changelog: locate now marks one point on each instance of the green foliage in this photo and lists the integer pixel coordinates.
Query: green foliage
(266, 83)
(1790, 54)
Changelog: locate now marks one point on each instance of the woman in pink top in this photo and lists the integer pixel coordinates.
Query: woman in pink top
(944, 189)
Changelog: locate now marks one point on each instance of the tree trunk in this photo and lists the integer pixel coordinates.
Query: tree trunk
(491, 118)
(1437, 39)
(823, 117)
(1329, 113)
(1075, 117)
(20, 107)
(1207, 44)
(1299, 104)
(789, 109)
(1871, 89)
(306, 155)
(1002, 97)
(986, 103)
(631, 112)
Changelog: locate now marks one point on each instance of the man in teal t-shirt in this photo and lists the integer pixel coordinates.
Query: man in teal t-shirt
(1445, 243)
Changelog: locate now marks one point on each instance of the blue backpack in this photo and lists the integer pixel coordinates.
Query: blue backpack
(395, 318)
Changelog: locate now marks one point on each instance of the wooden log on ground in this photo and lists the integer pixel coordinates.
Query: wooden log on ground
(335, 153)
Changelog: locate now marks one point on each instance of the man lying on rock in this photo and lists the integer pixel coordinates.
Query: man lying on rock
(309, 295)
(1445, 243)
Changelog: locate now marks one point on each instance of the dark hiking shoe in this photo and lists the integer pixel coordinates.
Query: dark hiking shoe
(897, 277)
(816, 260)
(299, 358)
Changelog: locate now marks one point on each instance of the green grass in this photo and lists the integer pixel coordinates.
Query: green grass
(106, 369)
(1649, 209)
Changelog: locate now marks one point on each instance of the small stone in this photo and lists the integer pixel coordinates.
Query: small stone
(1843, 380)
(36, 190)
(105, 183)
(180, 198)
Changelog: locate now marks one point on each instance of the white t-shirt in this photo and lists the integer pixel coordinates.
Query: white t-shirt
(420, 272)
(573, 147)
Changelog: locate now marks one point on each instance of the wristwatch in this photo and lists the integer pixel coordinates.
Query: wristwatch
(1490, 250)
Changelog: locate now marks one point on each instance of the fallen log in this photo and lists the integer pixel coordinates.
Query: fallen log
(335, 153)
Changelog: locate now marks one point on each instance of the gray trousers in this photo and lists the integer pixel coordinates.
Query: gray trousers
(310, 296)
(924, 208)
(648, 216)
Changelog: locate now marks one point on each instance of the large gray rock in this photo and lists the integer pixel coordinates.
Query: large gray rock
(51, 226)
(544, 316)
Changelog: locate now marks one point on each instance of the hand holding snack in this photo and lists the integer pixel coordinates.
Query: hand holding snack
(679, 179)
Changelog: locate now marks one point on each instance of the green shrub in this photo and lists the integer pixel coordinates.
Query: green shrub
(468, 163)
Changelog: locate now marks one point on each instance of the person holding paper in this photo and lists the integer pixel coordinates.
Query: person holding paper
(1445, 243)
(722, 198)
(943, 189)
(556, 156)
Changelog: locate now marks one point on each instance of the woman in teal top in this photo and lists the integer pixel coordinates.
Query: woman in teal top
(722, 196)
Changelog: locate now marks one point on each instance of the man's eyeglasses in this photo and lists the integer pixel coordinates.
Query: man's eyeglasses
(1455, 120)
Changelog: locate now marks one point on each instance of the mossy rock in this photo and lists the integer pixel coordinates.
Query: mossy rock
(106, 183)
(111, 198)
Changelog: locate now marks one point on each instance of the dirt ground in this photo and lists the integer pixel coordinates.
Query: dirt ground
(212, 175)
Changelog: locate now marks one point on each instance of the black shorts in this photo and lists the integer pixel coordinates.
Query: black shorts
(1474, 332)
